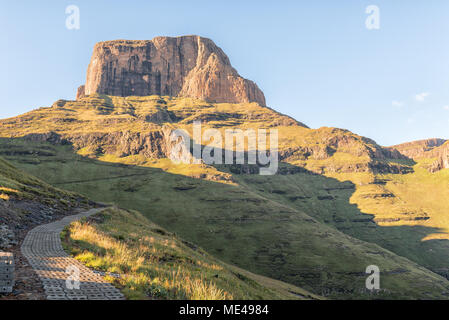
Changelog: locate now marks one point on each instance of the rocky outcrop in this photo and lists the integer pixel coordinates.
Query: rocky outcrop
(442, 155)
(80, 93)
(122, 144)
(154, 145)
(51, 137)
(187, 66)
(417, 149)
(429, 148)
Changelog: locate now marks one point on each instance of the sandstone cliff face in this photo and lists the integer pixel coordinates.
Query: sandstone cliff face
(442, 155)
(418, 149)
(80, 92)
(188, 66)
(154, 145)
(429, 148)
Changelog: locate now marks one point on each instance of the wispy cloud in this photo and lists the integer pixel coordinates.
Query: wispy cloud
(446, 107)
(396, 103)
(421, 96)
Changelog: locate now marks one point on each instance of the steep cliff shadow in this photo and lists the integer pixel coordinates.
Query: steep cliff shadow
(258, 224)
(329, 201)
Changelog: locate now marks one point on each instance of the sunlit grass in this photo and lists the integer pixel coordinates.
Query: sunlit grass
(153, 263)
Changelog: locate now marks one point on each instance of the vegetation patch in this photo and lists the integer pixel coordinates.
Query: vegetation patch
(155, 264)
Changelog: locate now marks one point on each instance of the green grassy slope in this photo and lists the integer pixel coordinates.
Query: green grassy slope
(237, 225)
(26, 201)
(309, 226)
(406, 215)
(155, 264)
(18, 185)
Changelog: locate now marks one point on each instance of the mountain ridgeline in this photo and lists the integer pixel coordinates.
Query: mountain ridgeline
(338, 203)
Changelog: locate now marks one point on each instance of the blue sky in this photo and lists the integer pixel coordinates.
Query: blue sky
(314, 60)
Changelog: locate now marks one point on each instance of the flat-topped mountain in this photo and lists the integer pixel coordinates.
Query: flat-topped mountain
(187, 66)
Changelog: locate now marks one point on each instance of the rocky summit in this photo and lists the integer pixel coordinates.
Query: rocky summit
(186, 66)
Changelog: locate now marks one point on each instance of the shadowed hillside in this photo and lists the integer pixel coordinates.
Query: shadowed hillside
(152, 262)
(235, 223)
(338, 201)
(155, 264)
(26, 201)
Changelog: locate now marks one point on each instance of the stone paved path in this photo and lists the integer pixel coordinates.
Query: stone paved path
(6, 272)
(56, 269)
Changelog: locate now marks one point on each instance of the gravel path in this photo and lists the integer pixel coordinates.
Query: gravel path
(57, 271)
